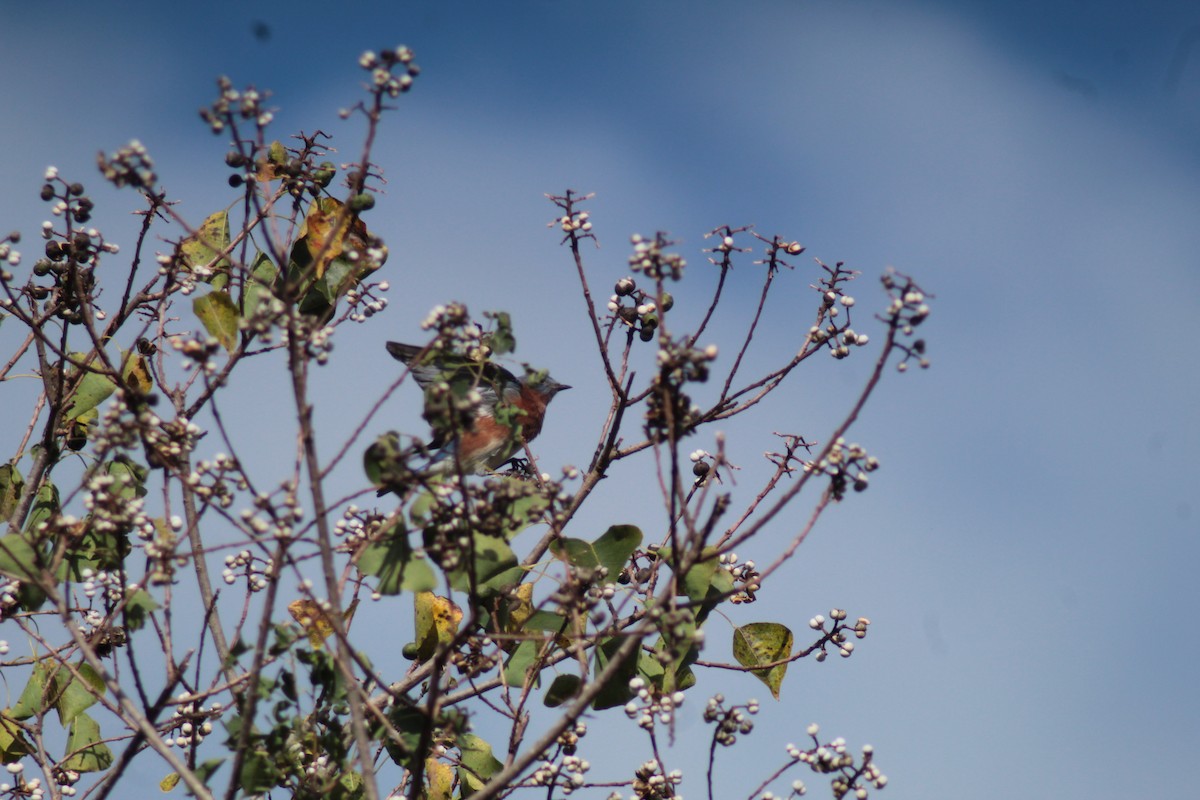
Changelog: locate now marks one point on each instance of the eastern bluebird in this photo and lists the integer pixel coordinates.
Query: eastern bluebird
(485, 444)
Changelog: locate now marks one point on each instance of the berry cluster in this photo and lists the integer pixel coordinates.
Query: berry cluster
(703, 463)
(836, 635)
(850, 778)
(650, 706)
(357, 527)
(907, 310)
(191, 722)
(638, 309)
(232, 105)
(650, 783)
(114, 507)
(272, 520)
(670, 412)
(69, 260)
(476, 655)
(131, 165)
(566, 775)
(568, 740)
(392, 71)
(456, 331)
(364, 304)
(10, 599)
(296, 169)
(256, 570)
(778, 250)
(650, 257)
(31, 788)
(748, 578)
(215, 481)
(730, 721)
(575, 224)
(846, 465)
(833, 318)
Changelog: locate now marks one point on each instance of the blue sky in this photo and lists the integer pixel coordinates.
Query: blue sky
(1027, 552)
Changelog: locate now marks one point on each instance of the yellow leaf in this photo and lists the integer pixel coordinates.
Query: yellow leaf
(220, 317)
(323, 242)
(764, 643)
(521, 608)
(204, 248)
(326, 232)
(137, 373)
(313, 619)
(441, 780)
(277, 156)
(170, 782)
(437, 621)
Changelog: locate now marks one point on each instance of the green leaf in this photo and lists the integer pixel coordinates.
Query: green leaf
(18, 558)
(202, 248)
(340, 275)
(616, 691)
(55, 685)
(277, 154)
(33, 697)
(611, 551)
(259, 283)
(520, 660)
(138, 606)
(130, 477)
(545, 621)
(350, 785)
(105, 547)
(698, 580)
(381, 457)
(523, 511)
(502, 341)
(677, 649)
(219, 316)
(650, 668)
(87, 752)
(563, 689)
(93, 389)
(500, 582)
(422, 506)
(207, 769)
(615, 546)
(409, 724)
(73, 697)
(13, 744)
(259, 773)
(21, 560)
(98, 549)
(476, 764)
(11, 486)
(495, 567)
(764, 643)
(704, 584)
(395, 564)
(45, 506)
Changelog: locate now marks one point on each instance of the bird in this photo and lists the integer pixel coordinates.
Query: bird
(485, 444)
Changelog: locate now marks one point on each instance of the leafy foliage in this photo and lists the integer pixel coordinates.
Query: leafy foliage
(118, 500)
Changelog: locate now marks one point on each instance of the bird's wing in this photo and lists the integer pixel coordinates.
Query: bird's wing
(491, 380)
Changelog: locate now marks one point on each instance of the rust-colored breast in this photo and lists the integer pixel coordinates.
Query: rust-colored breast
(535, 411)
